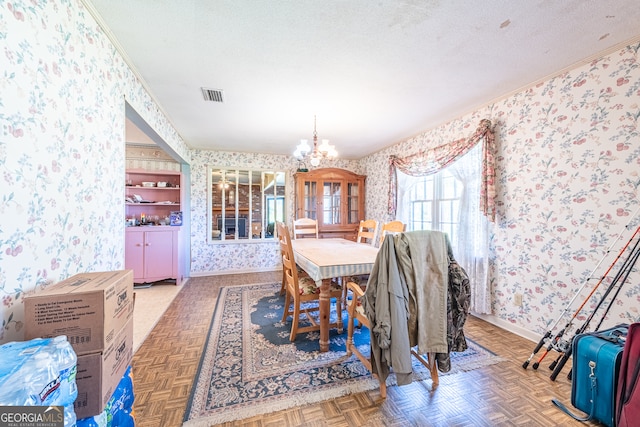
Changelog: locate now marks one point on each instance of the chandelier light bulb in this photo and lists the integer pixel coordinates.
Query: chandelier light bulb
(324, 147)
(302, 149)
(304, 146)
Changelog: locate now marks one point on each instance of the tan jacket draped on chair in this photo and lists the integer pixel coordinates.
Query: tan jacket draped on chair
(406, 302)
(423, 260)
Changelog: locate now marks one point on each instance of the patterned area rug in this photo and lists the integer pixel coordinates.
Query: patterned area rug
(249, 366)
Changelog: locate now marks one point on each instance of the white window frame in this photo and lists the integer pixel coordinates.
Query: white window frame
(430, 192)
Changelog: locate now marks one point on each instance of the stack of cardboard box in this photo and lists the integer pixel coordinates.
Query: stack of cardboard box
(95, 312)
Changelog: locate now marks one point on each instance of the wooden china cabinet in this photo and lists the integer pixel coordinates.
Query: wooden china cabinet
(334, 197)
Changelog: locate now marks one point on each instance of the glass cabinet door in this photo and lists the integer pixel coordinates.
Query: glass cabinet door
(331, 202)
(310, 197)
(353, 201)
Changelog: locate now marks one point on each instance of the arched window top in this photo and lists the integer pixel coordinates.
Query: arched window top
(433, 160)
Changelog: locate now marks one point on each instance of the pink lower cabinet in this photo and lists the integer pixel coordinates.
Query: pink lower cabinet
(152, 253)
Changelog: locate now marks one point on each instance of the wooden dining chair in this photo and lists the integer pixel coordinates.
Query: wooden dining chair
(305, 227)
(356, 313)
(367, 231)
(366, 234)
(391, 227)
(301, 272)
(300, 290)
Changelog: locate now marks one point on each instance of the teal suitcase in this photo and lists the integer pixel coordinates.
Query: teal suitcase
(594, 375)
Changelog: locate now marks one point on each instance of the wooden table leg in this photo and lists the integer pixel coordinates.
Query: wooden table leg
(325, 313)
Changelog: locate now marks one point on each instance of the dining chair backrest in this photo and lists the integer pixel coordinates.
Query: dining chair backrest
(290, 273)
(305, 227)
(367, 231)
(391, 228)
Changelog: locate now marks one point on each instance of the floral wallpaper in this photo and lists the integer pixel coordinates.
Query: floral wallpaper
(63, 88)
(567, 168)
(568, 171)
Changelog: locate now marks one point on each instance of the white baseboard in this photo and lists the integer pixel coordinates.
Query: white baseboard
(224, 272)
(503, 324)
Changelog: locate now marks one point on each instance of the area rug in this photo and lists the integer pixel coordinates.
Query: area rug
(249, 366)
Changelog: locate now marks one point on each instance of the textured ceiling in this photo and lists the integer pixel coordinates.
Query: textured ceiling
(374, 72)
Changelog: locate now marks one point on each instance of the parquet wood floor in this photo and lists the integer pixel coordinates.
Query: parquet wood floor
(504, 394)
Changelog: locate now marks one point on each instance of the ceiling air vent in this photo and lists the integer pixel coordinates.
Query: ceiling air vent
(213, 95)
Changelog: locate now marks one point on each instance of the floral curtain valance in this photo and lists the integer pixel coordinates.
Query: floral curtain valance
(435, 159)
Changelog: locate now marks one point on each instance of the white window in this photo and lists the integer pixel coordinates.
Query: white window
(449, 201)
(433, 203)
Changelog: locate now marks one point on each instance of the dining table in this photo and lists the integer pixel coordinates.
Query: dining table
(326, 259)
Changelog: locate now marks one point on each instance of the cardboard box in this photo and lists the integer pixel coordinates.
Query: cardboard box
(98, 374)
(89, 308)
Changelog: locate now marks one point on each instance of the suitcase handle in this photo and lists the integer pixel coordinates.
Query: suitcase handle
(616, 340)
(616, 335)
(592, 377)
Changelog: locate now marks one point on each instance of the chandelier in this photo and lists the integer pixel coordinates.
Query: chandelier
(323, 151)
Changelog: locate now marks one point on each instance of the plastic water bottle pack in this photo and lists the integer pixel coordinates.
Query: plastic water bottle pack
(119, 409)
(39, 372)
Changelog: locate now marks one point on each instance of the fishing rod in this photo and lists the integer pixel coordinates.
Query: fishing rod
(567, 348)
(566, 309)
(615, 295)
(557, 337)
(561, 345)
(626, 269)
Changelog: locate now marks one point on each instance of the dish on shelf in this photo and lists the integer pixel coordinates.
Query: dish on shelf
(148, 184)
(136, 198)
(162, 184)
